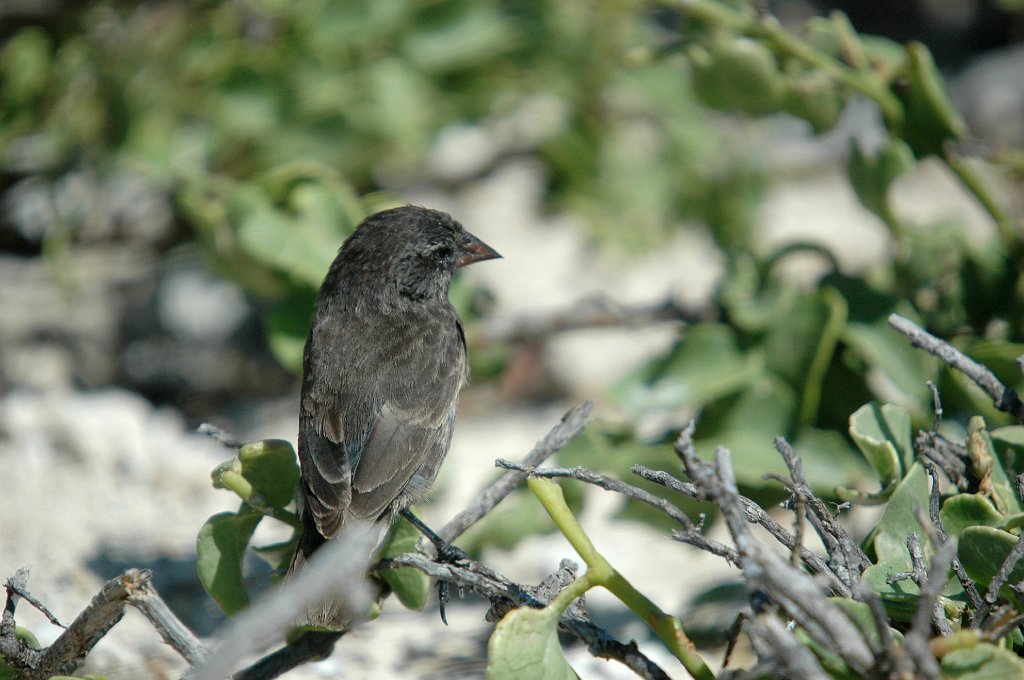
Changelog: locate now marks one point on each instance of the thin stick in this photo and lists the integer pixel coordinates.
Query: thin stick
(570, 426)
(1004, 398)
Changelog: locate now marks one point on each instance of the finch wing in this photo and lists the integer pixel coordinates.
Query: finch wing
(360, 454)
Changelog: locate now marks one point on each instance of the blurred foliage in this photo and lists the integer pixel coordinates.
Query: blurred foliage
(273, 127)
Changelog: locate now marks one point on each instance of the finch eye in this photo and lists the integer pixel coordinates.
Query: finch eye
(441, 251)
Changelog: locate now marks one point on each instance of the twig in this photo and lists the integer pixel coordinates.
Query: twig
(764, 570)
(494, 586)
(19, 589)
(588, 476)
(16, 652)
(941, 536)
(220, 435)
(1004, 398)
(948, 456)
(593, 312)
(916, 639)
(690, 534)
(992, 594)
(757, 515)
(69, 650)
(146, 599)
(570, 426)
(847, 555)
(772, 637)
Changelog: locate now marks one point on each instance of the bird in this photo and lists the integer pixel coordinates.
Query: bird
(382, 369)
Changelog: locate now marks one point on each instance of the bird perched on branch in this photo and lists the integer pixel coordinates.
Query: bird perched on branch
(382, 370)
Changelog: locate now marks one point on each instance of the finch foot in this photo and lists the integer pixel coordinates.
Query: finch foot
(446, 553)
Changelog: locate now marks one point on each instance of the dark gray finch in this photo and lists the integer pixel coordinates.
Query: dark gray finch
(381, 374)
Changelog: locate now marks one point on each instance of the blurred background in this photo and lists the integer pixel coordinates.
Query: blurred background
(697, 219)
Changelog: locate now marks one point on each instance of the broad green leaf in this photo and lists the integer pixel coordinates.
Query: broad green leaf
(900, 597)
(860, 614)
(411, 586)
(1009, 445)
(278, 555)
(747, 426)
(872, 176)
(982, 550)
(705, 365)
(829, 460)
(524, 646)
(901, 363)
(882, 433)
(898, 520)
(966, 510)
(271, 237)
(220, 552)
(982, 662)
(738, 74)
(271, 467)
(815, 97)
(801, 343)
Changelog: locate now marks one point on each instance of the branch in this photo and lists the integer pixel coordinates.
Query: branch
(1004, 398)
(504, 595)
(593, 312)
(756, 515)
(570, 426)
(69, 650)
(764, 570)
(916, 640)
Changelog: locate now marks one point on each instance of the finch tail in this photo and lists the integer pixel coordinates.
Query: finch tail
(327, 614)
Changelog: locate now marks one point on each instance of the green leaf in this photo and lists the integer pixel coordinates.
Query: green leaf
(220, 552)
(829, 460)
(885, 350)
(981, 662)
(982, 550)
(524, 646)
(411, 586)
(25, 66)
(871, 176)
(271, 467)
(816, 97)
(966, 510)
(898, 520)
(747, 426)
(860, 614)
(706, 365)
(930, 119)
(900, 597)
(882, 433)
(740, 74)
(800, 346)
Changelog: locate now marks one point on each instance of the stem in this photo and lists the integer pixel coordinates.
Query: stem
(601, 573)
(1008, 231)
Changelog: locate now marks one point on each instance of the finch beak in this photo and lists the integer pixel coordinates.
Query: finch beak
(475, 250)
